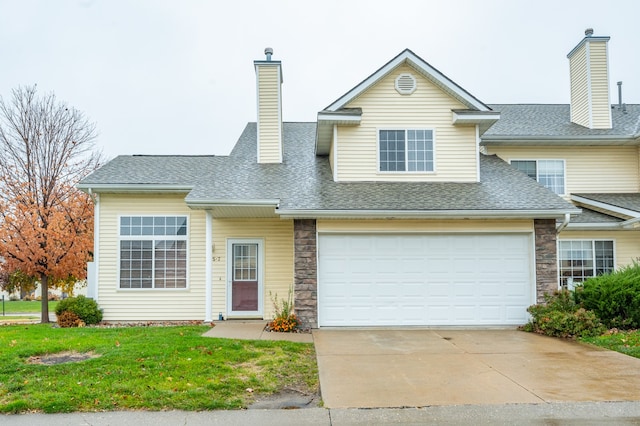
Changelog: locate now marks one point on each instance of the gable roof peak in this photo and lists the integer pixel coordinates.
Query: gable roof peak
(407, 56)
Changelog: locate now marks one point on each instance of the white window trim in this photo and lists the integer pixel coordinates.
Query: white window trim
(406, 172)
(564, 170)
(151, 237)
(592, 241)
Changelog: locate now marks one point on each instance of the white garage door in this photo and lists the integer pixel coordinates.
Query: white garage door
(449, 279)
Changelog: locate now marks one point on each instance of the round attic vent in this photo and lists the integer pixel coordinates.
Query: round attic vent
(405, 84)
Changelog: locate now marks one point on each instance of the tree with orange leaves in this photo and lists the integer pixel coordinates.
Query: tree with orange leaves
(46, 224)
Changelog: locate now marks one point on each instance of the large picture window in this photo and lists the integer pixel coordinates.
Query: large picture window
(581, 259)
(549, 173)
(153, 252)
(406, 150)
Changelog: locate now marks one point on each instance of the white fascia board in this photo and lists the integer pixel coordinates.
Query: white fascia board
(420, 65)
(605, 140)
(135, 187)
(228, 203)
(605, 206)
(473, 117)
(593, 226)
(326, 117)
(421, 214)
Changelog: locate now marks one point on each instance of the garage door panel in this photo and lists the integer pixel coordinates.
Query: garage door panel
(444, 279)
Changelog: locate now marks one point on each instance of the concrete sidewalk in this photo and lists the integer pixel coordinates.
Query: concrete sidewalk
(253, 330)
(570, 414)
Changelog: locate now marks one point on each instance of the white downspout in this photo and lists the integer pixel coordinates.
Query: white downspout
(96, 243)
(208, 274)
(565, 222)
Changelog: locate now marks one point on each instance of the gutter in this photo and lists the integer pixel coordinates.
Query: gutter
(577, 140)
(229, 203)
(135, 187)
(629, 223)
(419, 214)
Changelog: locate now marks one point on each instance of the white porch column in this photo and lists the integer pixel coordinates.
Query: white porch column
(208, 275)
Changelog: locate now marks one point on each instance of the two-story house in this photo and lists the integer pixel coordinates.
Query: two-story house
(586, 152)
(398, 206)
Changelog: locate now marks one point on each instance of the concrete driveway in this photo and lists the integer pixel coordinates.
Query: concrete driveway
(420, 367)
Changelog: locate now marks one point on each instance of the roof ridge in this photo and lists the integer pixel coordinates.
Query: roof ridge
(173, 155)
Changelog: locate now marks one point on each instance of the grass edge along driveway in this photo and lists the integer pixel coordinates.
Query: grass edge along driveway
(145, 368)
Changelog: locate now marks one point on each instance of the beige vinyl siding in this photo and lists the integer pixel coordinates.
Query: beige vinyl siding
(138, 304)
(278, 257)
(417, 226)
(626, 243)
(579, 87)
(601, 107)
(269, 113)
(587, 168)
(427, 108)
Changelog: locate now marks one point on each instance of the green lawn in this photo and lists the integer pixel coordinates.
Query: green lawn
(148, 368)
(24, 306)
(626, 342)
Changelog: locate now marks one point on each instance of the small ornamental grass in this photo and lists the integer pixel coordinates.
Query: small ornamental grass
(145, 368)
(69, 319)
(285, 319)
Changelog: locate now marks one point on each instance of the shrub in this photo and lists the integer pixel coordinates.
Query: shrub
(285, 320)
(561, 316)
(614, 297)
(86, 309)
(69, 319)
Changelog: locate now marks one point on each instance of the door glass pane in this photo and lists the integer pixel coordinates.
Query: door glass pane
(245, 262)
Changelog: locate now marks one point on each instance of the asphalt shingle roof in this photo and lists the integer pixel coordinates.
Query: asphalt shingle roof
(153, 169)
(553, 120)
(305, 182)
(629, 201)
(591, 216)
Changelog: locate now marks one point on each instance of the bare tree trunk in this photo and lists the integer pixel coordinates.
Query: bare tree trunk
(44, 286)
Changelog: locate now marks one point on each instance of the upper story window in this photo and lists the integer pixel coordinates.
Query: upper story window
(406, 151)
(581, 259)
(549, 173)
(153, 252)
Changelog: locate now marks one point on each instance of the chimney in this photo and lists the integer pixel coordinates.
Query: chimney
(589, 72)
(269, 93)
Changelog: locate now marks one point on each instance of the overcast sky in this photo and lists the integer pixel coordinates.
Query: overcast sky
(177, 77)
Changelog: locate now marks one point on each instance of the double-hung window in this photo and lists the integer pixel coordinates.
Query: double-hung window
(405, 150)
(549, 173)
(153, 252)
(581, 259)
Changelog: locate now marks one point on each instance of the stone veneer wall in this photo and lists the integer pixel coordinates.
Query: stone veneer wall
(546, 257)
(306, 272)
